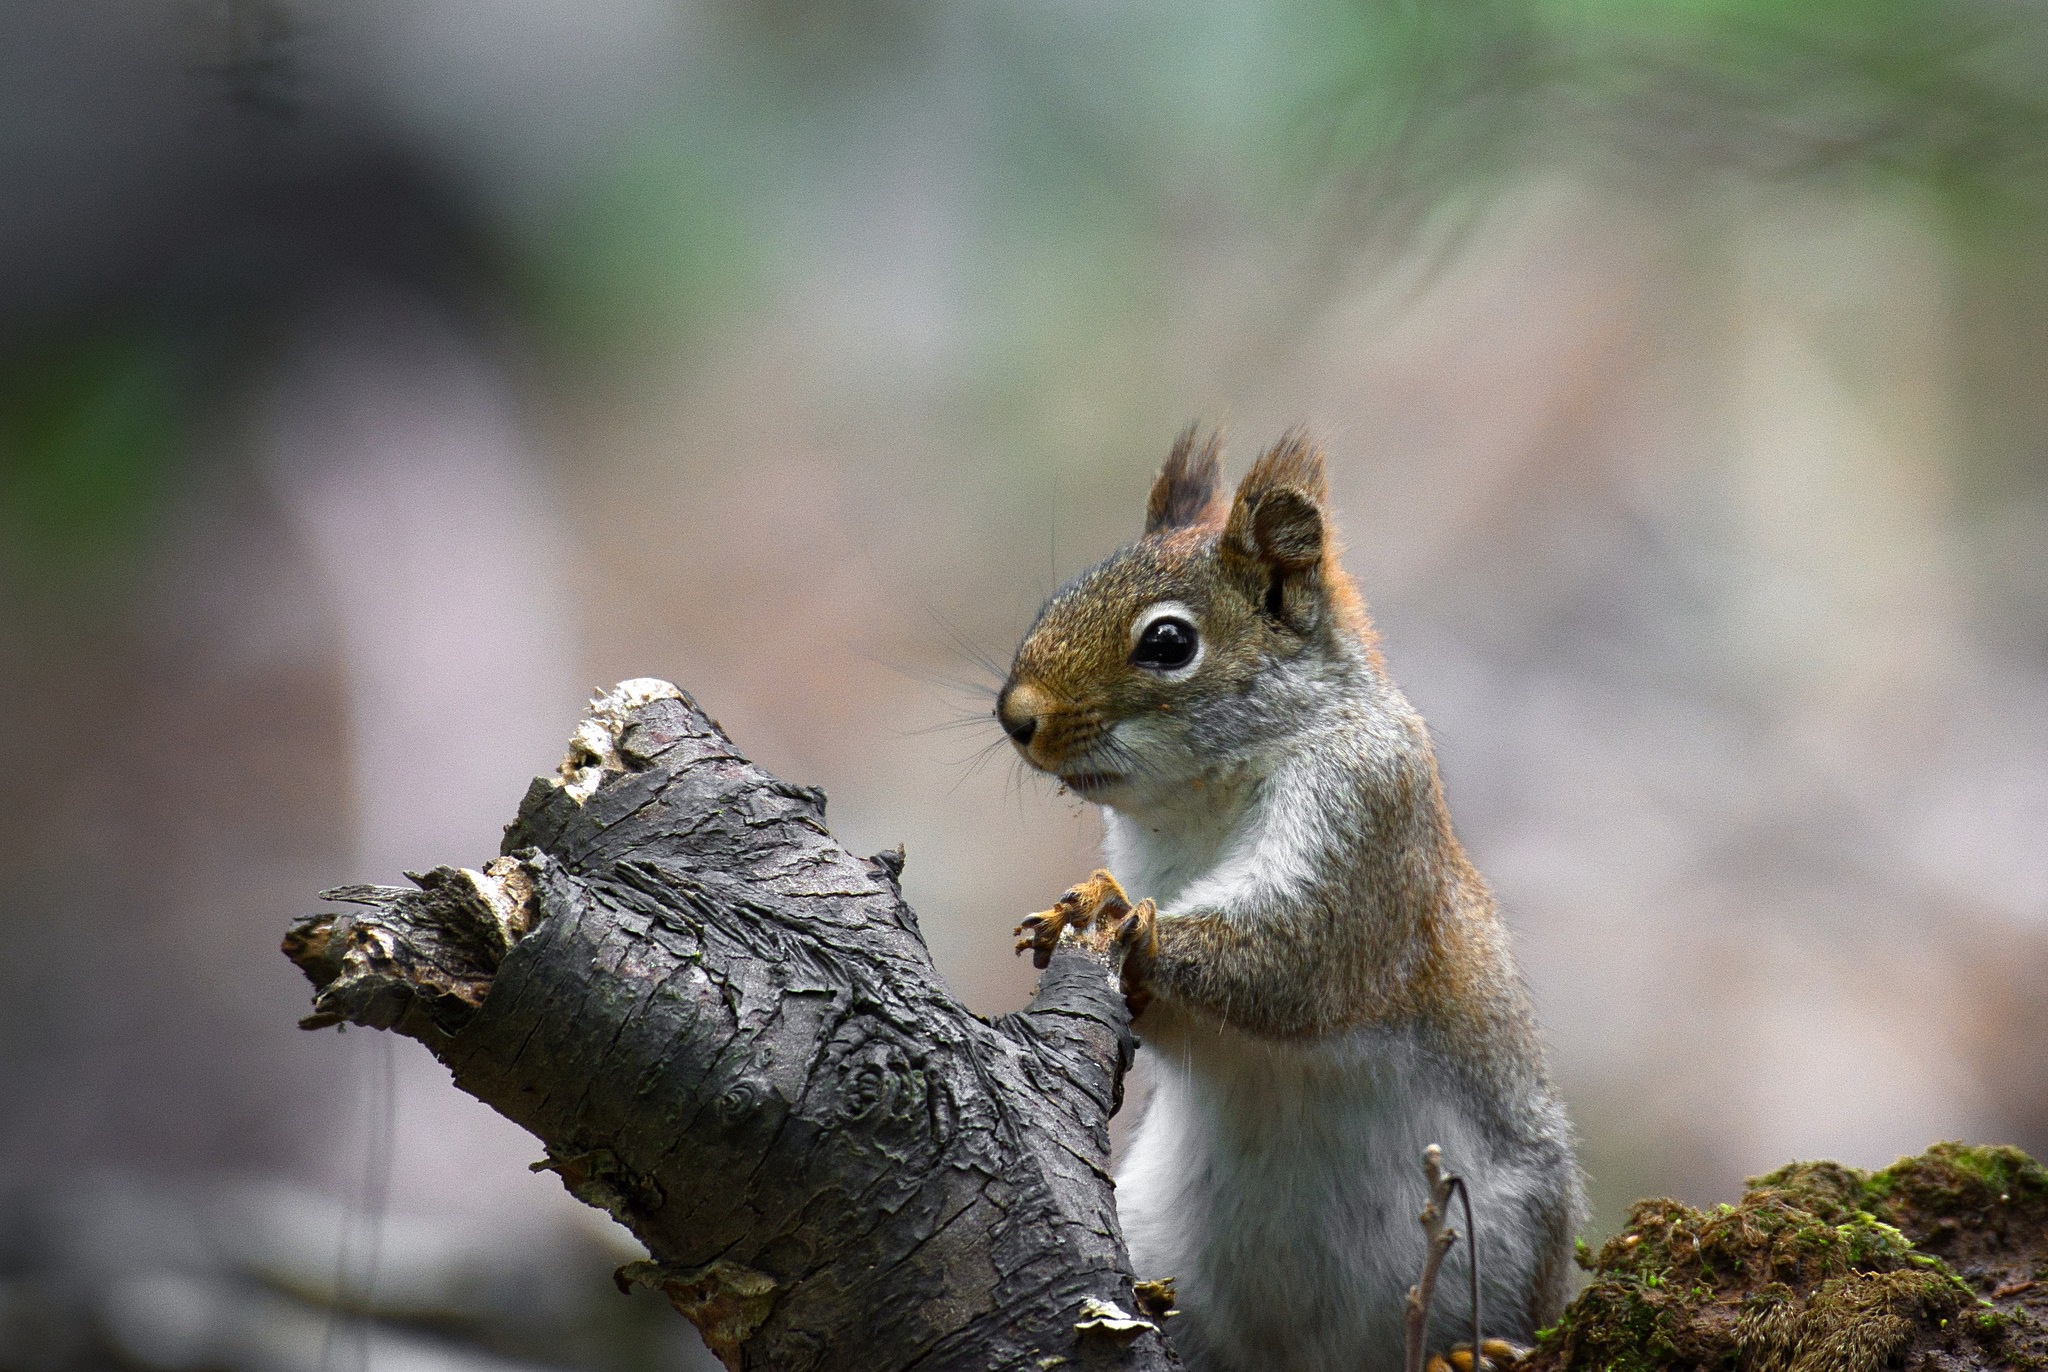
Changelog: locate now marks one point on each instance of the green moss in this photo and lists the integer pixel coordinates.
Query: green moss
(1816, 1270)
(1620, 1326)
(1854, 1323)
(1952, 1179)
(1826, 1190)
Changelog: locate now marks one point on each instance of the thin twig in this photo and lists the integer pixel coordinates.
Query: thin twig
(1439, 1237)
(1471, 1261)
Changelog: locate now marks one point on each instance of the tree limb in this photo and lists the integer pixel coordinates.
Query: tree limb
(728, 1033)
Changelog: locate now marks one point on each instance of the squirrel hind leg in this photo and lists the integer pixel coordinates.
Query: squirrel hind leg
(1496, 1355)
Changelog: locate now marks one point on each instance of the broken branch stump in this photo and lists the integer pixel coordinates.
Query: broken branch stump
(727, 1033)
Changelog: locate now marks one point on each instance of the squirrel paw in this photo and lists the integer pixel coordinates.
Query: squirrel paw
(1098, 902)
(1137, 933)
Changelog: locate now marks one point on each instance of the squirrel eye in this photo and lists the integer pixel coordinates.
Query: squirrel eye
(1168, 643)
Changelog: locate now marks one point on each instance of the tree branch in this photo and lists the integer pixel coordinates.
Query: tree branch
(729, 1035)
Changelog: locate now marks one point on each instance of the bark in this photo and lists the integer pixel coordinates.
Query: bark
(727, 1032)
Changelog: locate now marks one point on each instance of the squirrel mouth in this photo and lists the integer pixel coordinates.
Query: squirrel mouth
(1086, 783)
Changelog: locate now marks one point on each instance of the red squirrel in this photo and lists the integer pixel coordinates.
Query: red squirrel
(1322, 982)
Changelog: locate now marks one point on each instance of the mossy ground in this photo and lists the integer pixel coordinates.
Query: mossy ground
(1937, 1262)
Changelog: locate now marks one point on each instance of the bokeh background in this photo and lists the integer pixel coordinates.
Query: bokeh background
(378, 377)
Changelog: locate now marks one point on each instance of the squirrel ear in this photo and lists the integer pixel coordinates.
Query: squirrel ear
(1186, 486)
(1277, 518)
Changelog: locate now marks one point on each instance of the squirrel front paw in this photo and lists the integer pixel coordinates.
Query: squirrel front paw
(1138, 935)
(1097, 903)
(1099, 912)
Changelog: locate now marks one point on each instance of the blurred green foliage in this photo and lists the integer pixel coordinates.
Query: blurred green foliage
(90, 425)
(652, 247)
(1949, 93)
(1071, 147)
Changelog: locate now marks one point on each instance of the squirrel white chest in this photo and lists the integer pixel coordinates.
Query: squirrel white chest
(1161, 860)
(1280, 1184)
(1279, 1181)
(1223, 847)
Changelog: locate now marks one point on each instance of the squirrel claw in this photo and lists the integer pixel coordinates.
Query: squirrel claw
(1091, 904)
(1039, 933)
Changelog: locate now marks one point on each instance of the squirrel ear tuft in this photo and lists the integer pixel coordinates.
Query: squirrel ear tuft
(1277, 518)
(1186, 486)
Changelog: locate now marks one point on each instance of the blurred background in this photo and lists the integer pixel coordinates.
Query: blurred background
(379, 378)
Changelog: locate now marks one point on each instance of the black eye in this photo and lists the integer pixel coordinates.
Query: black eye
(1167, 643)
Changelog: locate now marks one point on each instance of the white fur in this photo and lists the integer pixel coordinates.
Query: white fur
(1280, 1184)
(1225, 844)
(1280, 1181)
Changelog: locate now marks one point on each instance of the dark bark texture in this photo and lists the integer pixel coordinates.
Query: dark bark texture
(727, 1032)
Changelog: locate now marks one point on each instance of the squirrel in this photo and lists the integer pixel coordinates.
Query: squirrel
(1317, 970)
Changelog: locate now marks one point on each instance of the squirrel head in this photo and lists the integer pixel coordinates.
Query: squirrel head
(1223, 631)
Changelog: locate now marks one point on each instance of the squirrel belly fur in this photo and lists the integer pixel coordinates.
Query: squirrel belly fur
(1324, 985)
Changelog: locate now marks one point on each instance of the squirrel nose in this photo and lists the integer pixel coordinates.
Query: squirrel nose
(1014, 713)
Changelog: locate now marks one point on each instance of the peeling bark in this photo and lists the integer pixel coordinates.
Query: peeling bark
(728, 1034)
